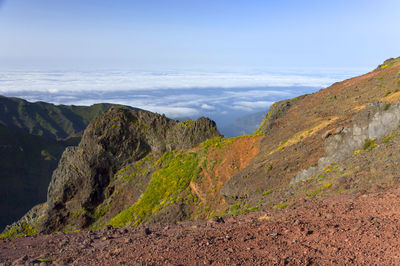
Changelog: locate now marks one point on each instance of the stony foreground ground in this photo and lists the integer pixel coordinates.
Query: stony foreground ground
(347, 229)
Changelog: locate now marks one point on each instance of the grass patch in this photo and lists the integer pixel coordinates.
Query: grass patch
(340, 190)
(386, 107)
(165, 186)
(45, 260)
(269, 191)
(281, 205)
(235, 207)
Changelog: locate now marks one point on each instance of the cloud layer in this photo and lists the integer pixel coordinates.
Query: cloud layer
(106, 81)
(221, 96)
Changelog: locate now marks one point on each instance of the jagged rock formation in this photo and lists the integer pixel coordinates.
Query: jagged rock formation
(110, 142)
(32, 138)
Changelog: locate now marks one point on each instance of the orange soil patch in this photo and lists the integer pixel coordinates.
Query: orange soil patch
(223, 163)
(395, 97)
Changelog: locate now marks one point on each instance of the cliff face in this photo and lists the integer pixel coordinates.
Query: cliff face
(33, 137)
(117, 138)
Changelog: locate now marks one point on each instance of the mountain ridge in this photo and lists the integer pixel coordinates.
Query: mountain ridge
(262, 171)
(33, 137)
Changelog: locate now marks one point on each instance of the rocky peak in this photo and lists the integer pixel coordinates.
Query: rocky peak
(111, 141)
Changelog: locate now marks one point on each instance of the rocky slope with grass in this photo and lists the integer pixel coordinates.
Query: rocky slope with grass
(118, 146)
(33, 137)
(321, 169)
(304, 137)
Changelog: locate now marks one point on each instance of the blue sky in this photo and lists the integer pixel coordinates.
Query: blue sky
(217, 58)
(185, 34)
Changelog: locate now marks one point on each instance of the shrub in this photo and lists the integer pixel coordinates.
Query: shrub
(235, 207)
(369, 144)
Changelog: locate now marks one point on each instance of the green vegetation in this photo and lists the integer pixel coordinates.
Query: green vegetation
(215, 142)
(386, 107)
(281, 205)
(388, 138)
(139, 168)
(247, 209)
(220, 142)
(340, 190)
(45, 119)
(187, 123)
(282, 145)
(234, 209)
(269, 191)
(315, 192)
(24, 230)
(387, 93)
(369, 144)
(389, 63)
(45, 260)
(165, 186)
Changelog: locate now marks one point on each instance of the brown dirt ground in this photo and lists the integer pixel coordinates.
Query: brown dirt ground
(345, 229)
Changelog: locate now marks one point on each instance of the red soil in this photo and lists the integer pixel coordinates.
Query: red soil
(358, 229)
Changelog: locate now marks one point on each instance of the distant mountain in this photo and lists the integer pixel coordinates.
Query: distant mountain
(243, 125)
(46, 119)
(32, 139)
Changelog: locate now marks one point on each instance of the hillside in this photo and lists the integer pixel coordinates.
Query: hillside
(46, 119)
(33, 137)
(319, 163)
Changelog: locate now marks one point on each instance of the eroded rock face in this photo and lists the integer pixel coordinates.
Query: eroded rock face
(115, 139)
(377, 120)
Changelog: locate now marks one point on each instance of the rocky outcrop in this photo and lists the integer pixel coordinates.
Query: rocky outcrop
(377, 120)
(113, 140)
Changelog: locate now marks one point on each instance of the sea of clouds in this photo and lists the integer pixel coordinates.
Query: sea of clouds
(223, 96)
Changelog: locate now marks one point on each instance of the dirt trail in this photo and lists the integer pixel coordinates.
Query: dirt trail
(347, 229)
